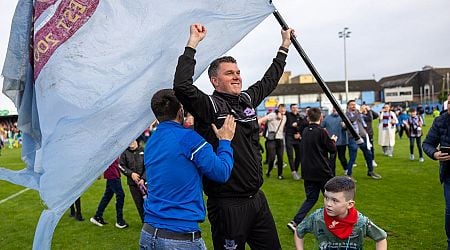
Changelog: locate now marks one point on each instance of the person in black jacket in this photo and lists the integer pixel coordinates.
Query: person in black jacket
(294, 123)
(132, 165)
(439, 134)
(237, 210)
(315, 146)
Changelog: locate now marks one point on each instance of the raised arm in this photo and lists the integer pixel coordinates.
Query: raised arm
(193, 99)
(269, 81)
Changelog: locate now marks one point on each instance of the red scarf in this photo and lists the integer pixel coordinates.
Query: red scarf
(341, 228)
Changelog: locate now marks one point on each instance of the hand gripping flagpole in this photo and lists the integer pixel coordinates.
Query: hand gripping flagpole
(319, 79)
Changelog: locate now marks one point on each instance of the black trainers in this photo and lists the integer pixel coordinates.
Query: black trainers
(292, 226)
(98, 221)
(121, 224)
(374, 175)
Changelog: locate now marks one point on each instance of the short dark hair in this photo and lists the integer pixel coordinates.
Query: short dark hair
(412, 110)
(342, 184)
(314, 114)
(292, 105)
(350, 102)
(214, 66)
(165, 105)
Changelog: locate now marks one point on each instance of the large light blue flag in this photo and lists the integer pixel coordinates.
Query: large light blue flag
(83, 89)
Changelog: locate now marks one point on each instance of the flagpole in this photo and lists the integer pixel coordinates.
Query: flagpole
(319, 79)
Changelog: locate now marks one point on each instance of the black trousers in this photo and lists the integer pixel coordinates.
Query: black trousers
(236, 221)
(312, 190)
(293, 147)
(75, 208)
(275, 147)
(341, 149)
(138, 200)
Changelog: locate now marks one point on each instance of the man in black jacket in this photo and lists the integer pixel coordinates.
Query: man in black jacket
(237, 210)
(439, 134)
(132, 165)
(294, 123)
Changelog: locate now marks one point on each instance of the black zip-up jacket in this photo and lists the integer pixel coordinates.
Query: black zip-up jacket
(290, 130)
(439, 134)
(314, 148)
(246, 177)
(132, 161)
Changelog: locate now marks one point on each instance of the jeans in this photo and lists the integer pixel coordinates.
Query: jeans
(149, 241)
(419, 145)
(353, 151)
(113, 186)
(447, 209)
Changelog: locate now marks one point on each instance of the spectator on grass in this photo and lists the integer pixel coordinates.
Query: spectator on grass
(132, 165)
(439, 135)
(75, 210)
(275, 123)
(368, 116)
(113, 186)
(360, 126)
(414, 129)
(386, 130)
(334, 126)
(293, 135)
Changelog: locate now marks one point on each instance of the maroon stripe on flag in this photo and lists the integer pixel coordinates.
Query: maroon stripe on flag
(68, 18)
(41, 6)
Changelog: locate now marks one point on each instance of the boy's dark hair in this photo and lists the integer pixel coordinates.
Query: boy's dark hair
(412, 110)
(281, 105)
(314, 114)
(214, 66)
(350, 102)
(165, 105)
(292, 105)
(342, 184)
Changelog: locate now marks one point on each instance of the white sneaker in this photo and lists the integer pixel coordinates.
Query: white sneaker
(355, 165)
(295, 176)
(421, 159)
(411, 157)
(374, 163)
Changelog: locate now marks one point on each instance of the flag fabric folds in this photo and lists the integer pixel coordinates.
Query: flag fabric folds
(83, 88)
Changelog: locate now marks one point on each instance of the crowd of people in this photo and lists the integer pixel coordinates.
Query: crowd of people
(213, 142)
(10, 135)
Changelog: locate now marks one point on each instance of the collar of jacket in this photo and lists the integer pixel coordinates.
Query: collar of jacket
(232, 99)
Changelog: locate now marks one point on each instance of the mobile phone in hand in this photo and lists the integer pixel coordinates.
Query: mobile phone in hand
(445, 149)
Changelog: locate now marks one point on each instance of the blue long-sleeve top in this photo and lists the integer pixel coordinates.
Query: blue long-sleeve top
(175, 160)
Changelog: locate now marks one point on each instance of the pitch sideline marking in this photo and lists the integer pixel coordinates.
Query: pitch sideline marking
(14, 195)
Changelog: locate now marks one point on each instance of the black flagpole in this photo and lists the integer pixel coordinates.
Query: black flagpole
(319, 79)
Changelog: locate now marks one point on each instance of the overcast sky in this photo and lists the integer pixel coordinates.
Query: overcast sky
(387, 38)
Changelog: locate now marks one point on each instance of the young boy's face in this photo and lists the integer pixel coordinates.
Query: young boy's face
(336, 205)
